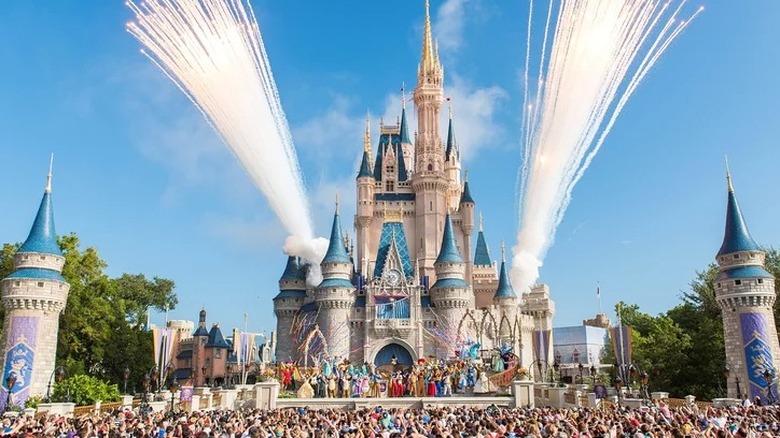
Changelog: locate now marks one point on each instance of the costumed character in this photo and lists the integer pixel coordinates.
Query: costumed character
(483, 384)
(498, 366)
(305, 391)
(346, 382)
(447, 389)
(471, 376)
(332, 387)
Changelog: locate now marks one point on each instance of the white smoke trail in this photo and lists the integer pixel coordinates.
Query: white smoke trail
(601, 50)
(213, 51)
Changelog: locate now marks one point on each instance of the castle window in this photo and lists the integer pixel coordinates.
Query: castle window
(389, 186)
(40, 284)
(430, 167)
(43, 257)
(736, 256)
(718, 285)
(760, 281)
(575, 356)
(26, 257)
(218, 353)
(737, 282)
(17, 283)
(390, 169)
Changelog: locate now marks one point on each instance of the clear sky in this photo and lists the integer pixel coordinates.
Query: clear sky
(140, 176)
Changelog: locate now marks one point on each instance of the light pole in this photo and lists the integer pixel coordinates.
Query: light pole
(203, 373)
(769, 376)
(593, 374)
(556, 368)
(145, 398)
(10, 381)
(726, 372)
(618, 386)
(644, 378)
(174, 387)
(59, 374)
(125, 376)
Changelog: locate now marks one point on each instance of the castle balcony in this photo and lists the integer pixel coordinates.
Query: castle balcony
(393, 327)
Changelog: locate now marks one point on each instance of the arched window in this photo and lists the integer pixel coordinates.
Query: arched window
(430, 167)
(389, 186)
(575, 356)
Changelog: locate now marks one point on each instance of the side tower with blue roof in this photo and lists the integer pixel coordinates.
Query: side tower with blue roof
(33, 296)
(335, 296)
(746, 295)
(291, 297)
(451, 295)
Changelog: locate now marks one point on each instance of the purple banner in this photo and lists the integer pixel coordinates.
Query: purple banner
(621, 342)
(19, 359)
(541, 344)
(758, 356)
(185, 395)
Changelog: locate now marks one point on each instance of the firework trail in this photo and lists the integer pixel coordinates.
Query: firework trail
(600, 52)
(214, 52)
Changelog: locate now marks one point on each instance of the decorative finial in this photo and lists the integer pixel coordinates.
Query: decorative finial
(403, 95)
(367, 136)
(449, 106)
(48, 176)
(503, 251)
(466, 175)
(728, 175)
(428, 62)
(480, 222)
(337, 201)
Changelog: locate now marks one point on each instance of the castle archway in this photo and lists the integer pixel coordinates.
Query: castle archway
(385, 355)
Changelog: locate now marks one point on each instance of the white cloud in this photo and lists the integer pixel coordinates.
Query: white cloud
(336, 132)
(449, 24)
(247, 233)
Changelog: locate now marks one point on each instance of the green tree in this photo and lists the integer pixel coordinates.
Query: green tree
(85, 390)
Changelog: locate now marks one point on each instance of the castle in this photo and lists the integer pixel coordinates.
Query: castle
(408, 287)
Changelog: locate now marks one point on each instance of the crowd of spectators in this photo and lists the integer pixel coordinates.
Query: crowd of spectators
(654, 421)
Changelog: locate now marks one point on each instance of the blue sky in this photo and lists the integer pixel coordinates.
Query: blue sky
(140, 176)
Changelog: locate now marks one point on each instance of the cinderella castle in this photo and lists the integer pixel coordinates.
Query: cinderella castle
(408, 287)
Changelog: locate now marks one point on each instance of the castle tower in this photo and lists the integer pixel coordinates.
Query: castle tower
(466, 209)
(199, 339)
(451, 295)
(335, 296)
(506, 301)
(430, 181)
(746, 294)
(33, 296)
(484, 279)
(452, 166)
(292, 293)
(364, 216)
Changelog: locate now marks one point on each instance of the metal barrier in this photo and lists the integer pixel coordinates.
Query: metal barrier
(109, 407)
(80, 411)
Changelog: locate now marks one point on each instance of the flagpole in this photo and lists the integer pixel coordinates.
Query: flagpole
(598, 295)
(243, 362)
(621, 363)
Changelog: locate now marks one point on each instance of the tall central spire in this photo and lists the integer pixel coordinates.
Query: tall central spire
(430, 60)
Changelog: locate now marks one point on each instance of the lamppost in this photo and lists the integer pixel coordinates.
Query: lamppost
(229, 379)
(174, 387)
(541, 364)
(644, 378)
(10, 381)
(145, 397)
(125, 376)
(59, 373)
(593, 374)
(203, 373)
(618, 386)
(769, 376)
(726, 372)
(556, 368)
(581, 367)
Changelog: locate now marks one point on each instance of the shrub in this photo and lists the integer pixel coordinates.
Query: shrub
(85, 390)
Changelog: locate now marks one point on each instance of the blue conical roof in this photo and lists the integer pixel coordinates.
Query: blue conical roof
(450, 142)
(292, 271)
(482, 255)
(466, 197)
(404, 128)
(505, 289)
(337, 252)
(449, 249)
(365, 167)
(737, 237)
(42, 237)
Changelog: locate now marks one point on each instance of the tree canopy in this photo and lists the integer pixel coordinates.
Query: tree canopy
(102, 327)
(683, 348)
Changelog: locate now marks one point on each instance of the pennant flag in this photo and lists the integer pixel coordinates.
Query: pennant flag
(621, 342)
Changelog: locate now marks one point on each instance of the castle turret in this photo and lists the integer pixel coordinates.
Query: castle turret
(452, 165)
(430, 181)
(366, 185)
(33, 297)
(506, 301)
(484, 277)
(745, 292)
(451, 294)
(335, 296)
(292, 293)
(466, 210)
